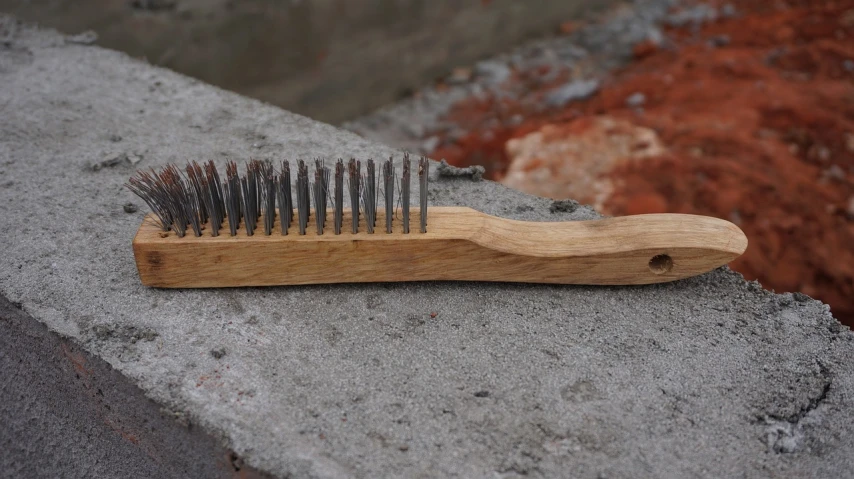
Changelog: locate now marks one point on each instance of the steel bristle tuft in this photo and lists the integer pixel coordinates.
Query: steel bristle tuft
(196, 199)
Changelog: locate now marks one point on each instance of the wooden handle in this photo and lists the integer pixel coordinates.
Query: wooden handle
(461, 244)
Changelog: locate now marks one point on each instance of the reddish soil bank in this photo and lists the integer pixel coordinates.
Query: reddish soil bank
(757, 114)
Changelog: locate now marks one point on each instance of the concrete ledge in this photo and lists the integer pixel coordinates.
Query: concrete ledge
(66, 413)
(711, 376)
(331, 59)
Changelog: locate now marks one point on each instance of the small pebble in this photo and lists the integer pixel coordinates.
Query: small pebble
(563, 206)
(719, 41)
(459, 76)
(492, 72)
(834, 173)
(130, 208)
(573, 91)
(86, 38)
(110, 160)
(430, 144)
(475, 172)
(695, 15)
(728, 11)
(636, 100)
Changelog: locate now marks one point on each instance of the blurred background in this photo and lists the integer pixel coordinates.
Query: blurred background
(741, 109)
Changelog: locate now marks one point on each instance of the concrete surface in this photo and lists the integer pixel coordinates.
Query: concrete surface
(330, 59)
(66, 413)
(708, 377)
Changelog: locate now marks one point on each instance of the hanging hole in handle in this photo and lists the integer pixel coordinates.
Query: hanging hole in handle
(661, 264)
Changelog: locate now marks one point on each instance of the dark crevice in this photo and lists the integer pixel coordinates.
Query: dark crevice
(813, 403)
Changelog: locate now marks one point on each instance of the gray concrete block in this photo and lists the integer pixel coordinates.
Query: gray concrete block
(709, 377)
(330, 59)
(66, 413)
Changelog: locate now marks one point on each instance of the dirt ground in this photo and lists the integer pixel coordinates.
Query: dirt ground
(754, 108)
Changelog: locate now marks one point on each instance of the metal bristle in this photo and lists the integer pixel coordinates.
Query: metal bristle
(423, 175)
(355, 170)
(147, 186)
(232, 197)
(321, 188)
(388, 193)
(250, 196)
(369, 197)
(268, 195)
(214, 196)
(181, 204)
(338, 206)
(198, 198)
(404, 192)
(283, 185)
(199, 185)
(302, 196)
(192, 205)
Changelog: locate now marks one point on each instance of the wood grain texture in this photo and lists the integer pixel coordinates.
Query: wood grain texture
(461, 244)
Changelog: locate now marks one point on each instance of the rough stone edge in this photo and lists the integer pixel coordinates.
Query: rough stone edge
(68, 413)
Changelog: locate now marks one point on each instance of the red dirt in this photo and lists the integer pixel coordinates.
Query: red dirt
(760, 131)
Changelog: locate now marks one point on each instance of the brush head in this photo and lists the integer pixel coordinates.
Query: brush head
(196, 201)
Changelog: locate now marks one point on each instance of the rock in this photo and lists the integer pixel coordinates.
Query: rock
(573, 160)
(564, 206)
(573, 91)
(695, 15)
(655, 35)
(835, 172)
(130, 208)
(636, 100)
(783, 437)
(728, 11)
(459, 76)
(86, 38)
(110, 160)
(571, 52)
(718, 41)
(492, 72)
(430, 144)
(476, 91)
(475, 172)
